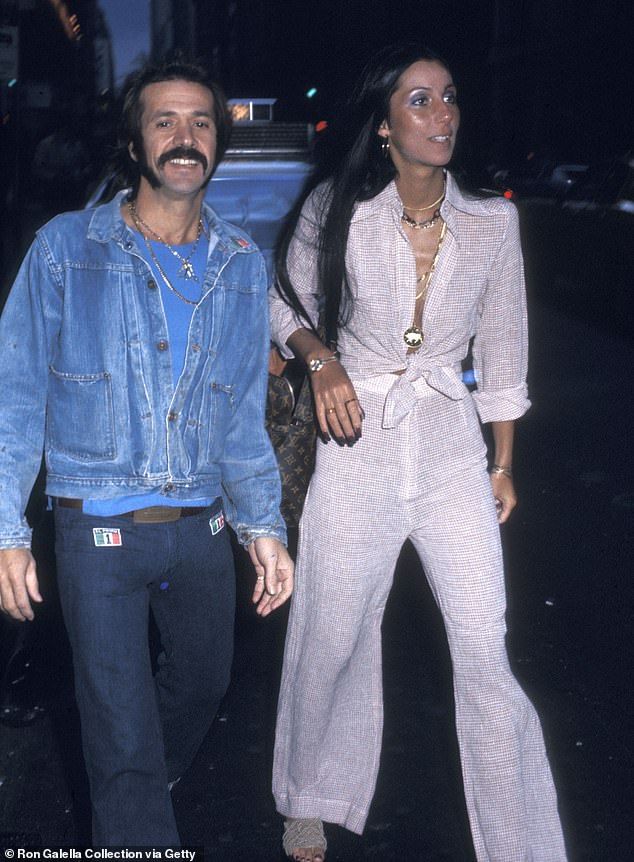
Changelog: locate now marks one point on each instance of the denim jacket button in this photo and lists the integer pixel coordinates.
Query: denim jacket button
(171, 416)
(151, 284)
(162, 345)
(168, 487)
(196, 348)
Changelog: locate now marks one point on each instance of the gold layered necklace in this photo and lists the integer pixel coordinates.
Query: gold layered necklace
(187, 268)
(413, 335)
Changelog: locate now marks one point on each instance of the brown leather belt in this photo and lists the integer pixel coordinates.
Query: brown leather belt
(149, 515)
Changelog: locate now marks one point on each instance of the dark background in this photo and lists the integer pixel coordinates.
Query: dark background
(551, 79)
(548, 77)
(531, 73)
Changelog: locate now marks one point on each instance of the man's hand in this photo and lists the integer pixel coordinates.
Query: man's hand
(274, 571)
(18, 583)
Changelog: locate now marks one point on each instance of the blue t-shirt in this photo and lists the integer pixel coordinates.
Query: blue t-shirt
(178, 314)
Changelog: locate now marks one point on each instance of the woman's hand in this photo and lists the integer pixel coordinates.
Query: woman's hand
(337, 407)
(501, 471)
(505, 496)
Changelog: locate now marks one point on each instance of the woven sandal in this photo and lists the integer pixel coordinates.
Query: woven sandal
(306, 832)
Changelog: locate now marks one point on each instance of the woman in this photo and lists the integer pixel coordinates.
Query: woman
(405, 269)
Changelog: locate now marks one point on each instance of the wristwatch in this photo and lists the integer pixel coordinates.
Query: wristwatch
(318, 364)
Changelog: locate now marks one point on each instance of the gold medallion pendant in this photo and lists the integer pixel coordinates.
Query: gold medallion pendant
(413, 337)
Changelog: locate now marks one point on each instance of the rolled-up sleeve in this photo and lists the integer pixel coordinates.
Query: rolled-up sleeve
(301, 263)
(500, 348)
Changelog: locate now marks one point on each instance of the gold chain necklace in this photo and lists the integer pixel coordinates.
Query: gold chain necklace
(424, 278)
(187, 268)
(413, 335)
(428, 207)
(161, 271)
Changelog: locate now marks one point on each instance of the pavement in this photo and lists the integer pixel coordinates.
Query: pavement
(568, 554)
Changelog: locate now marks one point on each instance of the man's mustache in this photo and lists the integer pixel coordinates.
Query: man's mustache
(183, 153)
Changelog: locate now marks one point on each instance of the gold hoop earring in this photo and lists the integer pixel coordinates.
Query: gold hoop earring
(385, 147)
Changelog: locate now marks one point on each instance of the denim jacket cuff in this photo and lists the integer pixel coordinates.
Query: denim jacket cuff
(15, 540)
(247, 534)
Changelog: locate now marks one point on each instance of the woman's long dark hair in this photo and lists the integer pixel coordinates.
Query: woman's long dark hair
(355, 170)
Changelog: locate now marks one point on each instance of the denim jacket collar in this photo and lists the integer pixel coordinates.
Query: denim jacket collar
(107, 224)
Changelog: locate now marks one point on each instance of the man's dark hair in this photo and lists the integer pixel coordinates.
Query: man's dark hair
(174, 68)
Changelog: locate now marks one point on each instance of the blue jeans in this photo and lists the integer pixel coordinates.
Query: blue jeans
(140, 730)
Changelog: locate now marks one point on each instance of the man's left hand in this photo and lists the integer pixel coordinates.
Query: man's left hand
(274, 572)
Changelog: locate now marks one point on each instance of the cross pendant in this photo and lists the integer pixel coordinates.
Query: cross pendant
(187, 270)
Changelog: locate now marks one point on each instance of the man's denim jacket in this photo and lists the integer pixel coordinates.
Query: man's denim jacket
(86, 377)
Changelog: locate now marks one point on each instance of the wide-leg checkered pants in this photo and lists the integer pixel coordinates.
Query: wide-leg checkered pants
(425, 479)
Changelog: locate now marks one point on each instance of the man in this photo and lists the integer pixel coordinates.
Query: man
(133, 348)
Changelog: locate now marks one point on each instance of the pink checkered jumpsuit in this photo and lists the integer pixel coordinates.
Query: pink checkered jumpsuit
(419, 473)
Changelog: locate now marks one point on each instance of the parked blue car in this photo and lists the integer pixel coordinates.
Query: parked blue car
(257, 196)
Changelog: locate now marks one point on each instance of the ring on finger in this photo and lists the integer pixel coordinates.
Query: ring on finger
(260, 578)
(331, 410)
(351, 401)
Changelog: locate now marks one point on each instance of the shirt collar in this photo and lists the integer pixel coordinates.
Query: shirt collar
(456, 201)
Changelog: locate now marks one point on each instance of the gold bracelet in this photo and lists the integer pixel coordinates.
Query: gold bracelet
(498, 469)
